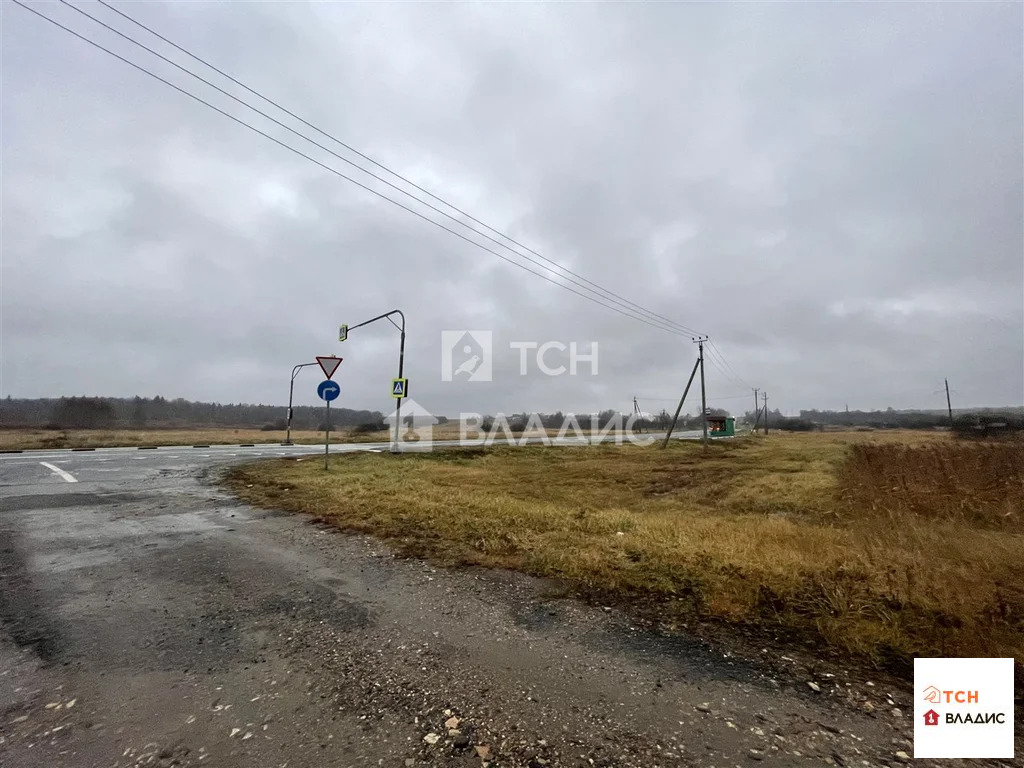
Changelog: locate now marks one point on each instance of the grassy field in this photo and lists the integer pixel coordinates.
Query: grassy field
(887, 545)
(32, 439)
(28, 439)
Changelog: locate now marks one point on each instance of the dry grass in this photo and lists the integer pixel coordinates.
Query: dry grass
(29, 439)
(889, 545)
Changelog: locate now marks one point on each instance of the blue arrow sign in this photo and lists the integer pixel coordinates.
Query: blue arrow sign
(328, 390)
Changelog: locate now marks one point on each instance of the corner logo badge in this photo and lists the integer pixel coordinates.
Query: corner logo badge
(465, 355)
(971, 699)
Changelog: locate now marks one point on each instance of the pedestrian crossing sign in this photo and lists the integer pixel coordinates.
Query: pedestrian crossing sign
(399, 388)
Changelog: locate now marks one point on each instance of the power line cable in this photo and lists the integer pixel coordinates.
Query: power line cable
(408, 194)
(732, 378)
(721, 355)
(728, 377)
(594, 287)
(338, 173)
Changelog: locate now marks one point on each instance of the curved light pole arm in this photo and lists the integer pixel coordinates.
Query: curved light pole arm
(401, 363)
(291, 392)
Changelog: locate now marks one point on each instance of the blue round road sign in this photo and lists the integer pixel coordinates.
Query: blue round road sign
(328, 390)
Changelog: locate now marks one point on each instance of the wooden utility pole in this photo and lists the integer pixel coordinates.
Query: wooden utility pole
(639, 414)
(679, 408)
(949, 405)
(765, 397)
(757, 412)
(699, 341)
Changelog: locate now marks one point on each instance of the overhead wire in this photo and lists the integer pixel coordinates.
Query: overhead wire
(721, 369)
(628, 308)
(729, 372)
(384, 167)
(655, 324)
(577, 280)
(624, 304)
(721, 355)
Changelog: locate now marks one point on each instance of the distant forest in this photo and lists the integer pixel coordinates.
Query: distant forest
(983, 420)
(160, 413)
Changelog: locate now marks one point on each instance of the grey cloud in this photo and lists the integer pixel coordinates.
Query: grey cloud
(834, 192)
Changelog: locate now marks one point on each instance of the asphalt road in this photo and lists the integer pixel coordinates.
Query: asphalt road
(147, 618)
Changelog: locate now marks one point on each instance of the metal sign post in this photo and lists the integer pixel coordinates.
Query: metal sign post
(327, 391)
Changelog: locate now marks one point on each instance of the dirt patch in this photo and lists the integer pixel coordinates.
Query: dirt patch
(980, 484)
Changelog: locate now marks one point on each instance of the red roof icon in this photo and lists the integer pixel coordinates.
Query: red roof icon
(931, 717)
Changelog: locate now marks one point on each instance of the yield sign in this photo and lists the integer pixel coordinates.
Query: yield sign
(329, 364)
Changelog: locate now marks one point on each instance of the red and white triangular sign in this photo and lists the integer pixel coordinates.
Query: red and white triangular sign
(329, 364)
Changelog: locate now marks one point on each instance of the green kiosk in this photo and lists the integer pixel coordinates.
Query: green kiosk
(721, 426)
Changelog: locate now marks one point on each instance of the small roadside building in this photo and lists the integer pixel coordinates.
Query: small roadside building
(721, 426)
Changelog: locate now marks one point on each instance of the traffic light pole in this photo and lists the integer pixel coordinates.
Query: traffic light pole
(291, 393)
(401, 362)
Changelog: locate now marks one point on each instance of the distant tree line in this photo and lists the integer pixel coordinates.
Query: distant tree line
(988, 424)
(161, 413)
(587, 421)
(965, 422)
(887, 419)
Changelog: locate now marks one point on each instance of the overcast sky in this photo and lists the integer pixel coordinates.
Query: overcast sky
(832, 191)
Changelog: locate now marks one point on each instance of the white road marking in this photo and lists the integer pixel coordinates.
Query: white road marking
(58, 471)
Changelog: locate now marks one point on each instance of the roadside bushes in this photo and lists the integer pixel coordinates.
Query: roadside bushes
(989, 425)
(369, 427)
